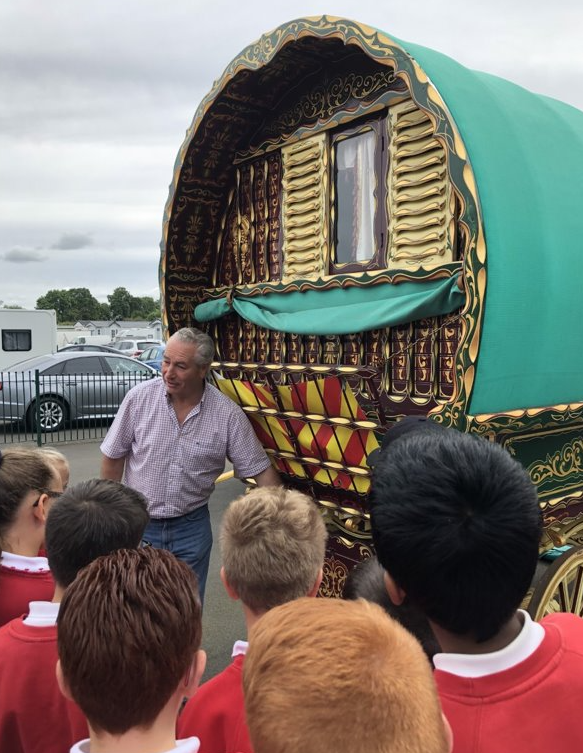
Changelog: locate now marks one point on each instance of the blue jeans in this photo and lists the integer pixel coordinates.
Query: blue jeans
(189, 537)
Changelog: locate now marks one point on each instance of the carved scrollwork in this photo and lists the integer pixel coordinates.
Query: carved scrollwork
(334, 577)
(560, 465)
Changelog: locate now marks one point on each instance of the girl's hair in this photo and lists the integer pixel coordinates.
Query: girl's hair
(56, 460)
(21, 470)
(53, 456)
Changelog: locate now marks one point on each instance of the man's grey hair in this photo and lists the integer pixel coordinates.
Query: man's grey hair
(205, 347)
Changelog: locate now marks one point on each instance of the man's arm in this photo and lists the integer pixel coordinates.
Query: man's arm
(112, 468)
(268, 477)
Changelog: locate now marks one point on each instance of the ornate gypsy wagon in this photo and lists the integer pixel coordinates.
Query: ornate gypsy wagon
(370, 230)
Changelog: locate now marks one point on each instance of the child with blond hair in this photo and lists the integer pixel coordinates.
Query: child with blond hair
(272, 544)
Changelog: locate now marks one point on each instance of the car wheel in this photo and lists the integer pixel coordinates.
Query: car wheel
(51, 414)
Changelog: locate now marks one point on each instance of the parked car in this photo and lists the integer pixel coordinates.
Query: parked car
(71, 386)
(153, 356)
(85, 348)
(134, 347)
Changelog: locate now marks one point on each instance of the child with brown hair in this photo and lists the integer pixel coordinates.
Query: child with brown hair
(28, 486)
(89, 520)
(272, 543)
(129, 632)
(333, 676)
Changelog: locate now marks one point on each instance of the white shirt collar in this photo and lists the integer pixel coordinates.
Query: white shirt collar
(42, 613)
(481, 665)
(25, 564)
(240, 648)
(188, 745)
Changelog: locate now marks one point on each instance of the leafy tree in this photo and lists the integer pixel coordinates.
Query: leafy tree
(148, 308)
(71, 305)
(120, 303)
(104, 311)
(78, 303)
(60, 300)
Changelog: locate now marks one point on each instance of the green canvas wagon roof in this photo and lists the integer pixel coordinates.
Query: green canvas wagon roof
(526, 151)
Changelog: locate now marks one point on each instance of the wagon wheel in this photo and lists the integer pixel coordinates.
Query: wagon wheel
(560, 588)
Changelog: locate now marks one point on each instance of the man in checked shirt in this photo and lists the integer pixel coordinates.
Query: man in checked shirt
(170, 439)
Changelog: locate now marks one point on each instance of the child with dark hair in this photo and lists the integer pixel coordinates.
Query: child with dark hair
(87, 521)
(28, 487)
(367, 581)
(272, 544)
(129, 639)
(456, 525)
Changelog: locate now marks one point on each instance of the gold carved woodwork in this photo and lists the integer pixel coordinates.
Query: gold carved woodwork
(334, 574)
(420, 200)
(562, 464)
(305, 210)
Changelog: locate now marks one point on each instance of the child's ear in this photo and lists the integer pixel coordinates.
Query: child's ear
(396, 593)
(39, 510)
(314, 589)
(62, 683)
(195, 673)
(228, 587)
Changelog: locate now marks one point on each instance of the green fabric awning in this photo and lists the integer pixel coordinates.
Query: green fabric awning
(341, 311)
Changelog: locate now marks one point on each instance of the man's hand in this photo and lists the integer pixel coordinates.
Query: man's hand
(112, 468)
(268, 477)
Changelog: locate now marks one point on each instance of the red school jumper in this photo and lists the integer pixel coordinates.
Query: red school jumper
(19, 587)
(34, 716)
(216, 713)
(533, 707)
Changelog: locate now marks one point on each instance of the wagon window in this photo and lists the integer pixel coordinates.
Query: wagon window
(358, 196)
(354, 185)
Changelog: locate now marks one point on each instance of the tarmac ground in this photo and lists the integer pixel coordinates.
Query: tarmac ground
(223, 621)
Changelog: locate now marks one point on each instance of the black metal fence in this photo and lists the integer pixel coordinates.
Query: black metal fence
(65, 408)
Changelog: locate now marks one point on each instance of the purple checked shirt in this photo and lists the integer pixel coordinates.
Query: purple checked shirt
(175, 466)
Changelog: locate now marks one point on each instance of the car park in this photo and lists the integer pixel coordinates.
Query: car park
(48, 392)
(134, 347)
(153, 356)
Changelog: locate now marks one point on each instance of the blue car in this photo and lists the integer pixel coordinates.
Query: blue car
(153, 356)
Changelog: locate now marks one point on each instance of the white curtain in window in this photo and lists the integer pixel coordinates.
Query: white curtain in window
(357, 155)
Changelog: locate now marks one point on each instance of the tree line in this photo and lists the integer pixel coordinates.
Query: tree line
(79, 303)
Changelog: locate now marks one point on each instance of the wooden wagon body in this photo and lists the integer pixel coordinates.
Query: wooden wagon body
(370, 230)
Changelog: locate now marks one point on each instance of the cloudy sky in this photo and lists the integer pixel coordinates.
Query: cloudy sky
(96, 97)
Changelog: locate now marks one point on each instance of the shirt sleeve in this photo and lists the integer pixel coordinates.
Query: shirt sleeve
(120, 437)
(244, 449)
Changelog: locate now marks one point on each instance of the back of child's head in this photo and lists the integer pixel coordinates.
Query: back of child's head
(22, 470)
(272, 542)
(367, 581)
(58, 461)
(457, 525)
(128, 630)
(89, 520)
(329, 676)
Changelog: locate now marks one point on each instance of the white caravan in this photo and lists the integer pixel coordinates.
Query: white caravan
(25, 333)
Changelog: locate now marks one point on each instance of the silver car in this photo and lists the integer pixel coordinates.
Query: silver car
(48, 391)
